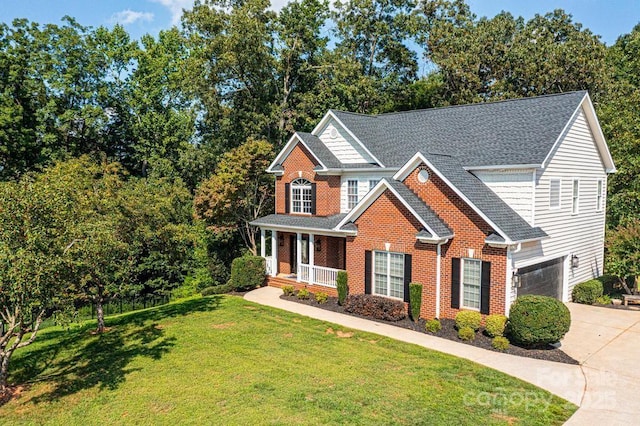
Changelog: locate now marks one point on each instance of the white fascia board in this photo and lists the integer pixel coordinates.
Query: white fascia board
(503, 167)
(315, 231)
(330, 115)
(347, 171)
(284, 153)
(371, 197)
(417, 159)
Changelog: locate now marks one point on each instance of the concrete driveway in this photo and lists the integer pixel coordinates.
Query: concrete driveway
(607, 344)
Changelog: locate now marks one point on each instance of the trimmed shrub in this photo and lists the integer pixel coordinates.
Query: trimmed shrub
(288, 290)
(495, 324)
(467, 334)
(415, 300)
(247, 273)
(468, 319)
(322, 297)
(342, 287)
(303, 294)
(538, 320)
(375, 307)
(500, 343)
(216, 289)
(587, 292)
(603, 300)
(433, 326)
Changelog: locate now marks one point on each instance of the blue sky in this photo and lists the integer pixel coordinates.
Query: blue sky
(608, 18)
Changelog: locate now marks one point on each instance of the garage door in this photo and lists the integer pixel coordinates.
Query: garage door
(544, 279)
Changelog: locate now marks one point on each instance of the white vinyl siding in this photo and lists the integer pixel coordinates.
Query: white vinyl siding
(575, 157)
(343, 146)
(514, 187)
(388, 274)
(471, 281)
(352, 193)
(372, 183)
(554, 194)
(575, 197)
(600, 195)
(364, 186)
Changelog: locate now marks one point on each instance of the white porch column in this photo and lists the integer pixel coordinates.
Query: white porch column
(263, 247)
(298, 254)
(312, 272)
(274, 253)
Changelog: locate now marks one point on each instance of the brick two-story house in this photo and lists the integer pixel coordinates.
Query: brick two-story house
(479, 203)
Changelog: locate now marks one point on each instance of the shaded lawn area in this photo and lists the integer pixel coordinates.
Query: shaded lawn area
(223, 360)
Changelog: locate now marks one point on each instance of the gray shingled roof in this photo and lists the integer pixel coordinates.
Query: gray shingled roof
(320, 150)
(421, 209)
(519, 131)
(496, 210)
(309, 222)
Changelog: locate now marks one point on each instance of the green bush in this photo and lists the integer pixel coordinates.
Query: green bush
(500, 343)
(433, 326)
(288, 290)
(495, 324)
(247, 273)
(538, 320)
(603, 300)
(587, 292)
(343, 288)
(322, 297)
(415, 300)
(468, 319)
(216, 289)
(467, 334)
(303, 294)
(378, 307)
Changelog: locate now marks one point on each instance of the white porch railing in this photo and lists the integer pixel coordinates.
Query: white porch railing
(268, 264)
(321, 275)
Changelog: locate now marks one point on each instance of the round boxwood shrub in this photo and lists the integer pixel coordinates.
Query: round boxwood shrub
(500, 343)
(587, 292)
(247, 273)
(467, 334)
(494, 325)
(538, 320)
(433, 326)
(468, 319)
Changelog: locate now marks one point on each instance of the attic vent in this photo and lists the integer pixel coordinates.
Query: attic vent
(333, 133)
(423, 176)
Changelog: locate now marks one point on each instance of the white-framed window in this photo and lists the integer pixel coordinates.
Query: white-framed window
(575, 197)
(372, 183)
(352, 193)
(471, 279)
(301, 196)
(600, 195)
(388, 274)
(554, 194)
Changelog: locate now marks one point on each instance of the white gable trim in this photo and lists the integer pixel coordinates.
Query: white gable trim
(594, 125)
(331, 116)
(284, 153)
(372, 196)
(417, 159)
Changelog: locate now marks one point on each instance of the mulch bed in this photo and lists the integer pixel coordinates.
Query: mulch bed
(550, 353)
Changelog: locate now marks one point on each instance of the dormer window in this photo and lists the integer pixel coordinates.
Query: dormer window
(301, 196)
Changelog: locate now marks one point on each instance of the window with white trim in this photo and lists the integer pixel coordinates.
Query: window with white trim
(600, 195)
(575, 196)
(373, 183)
(352, 193)
(301, 196)
(471, 277)
(554, 194)
(388, 274)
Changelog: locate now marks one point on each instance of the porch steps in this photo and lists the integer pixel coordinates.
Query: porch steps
(279, 282)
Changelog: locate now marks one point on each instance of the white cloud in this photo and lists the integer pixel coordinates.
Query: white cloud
(175, 8)
(128, 16)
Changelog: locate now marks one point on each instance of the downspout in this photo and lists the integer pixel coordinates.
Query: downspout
(438, 262)
(509, 278)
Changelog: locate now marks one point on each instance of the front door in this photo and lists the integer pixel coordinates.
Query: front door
(293, 255)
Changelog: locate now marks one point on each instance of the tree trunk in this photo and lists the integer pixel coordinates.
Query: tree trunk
(4, 372)
(100, 315)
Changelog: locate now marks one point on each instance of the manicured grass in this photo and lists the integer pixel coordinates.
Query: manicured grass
(222, 360)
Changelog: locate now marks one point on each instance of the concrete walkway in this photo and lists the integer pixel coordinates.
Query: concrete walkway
(605, 341)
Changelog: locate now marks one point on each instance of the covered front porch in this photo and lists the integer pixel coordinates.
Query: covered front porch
(299, 257)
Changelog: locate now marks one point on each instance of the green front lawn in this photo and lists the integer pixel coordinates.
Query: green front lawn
(222, 360)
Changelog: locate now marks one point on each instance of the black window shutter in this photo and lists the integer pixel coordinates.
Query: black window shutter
(485, 288)
(287, 200)
(367, 272)
(455, 283)
(407, 276)
(313, 198)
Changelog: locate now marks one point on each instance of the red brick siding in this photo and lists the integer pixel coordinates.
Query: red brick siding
(327, 187)
(331, 252)
(280, 282)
